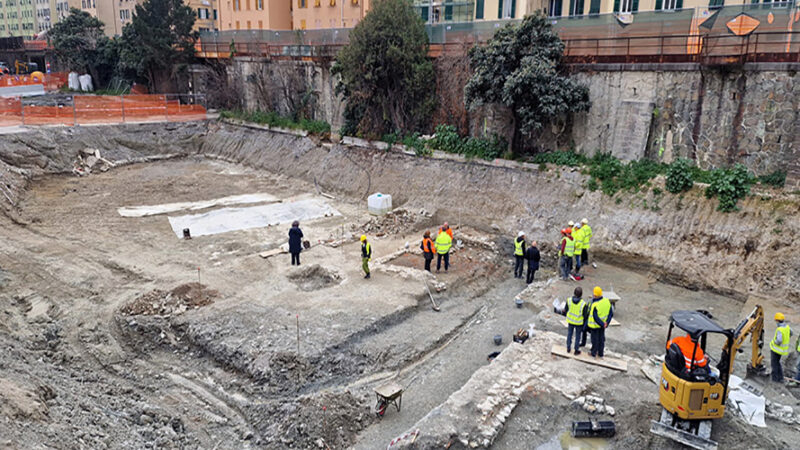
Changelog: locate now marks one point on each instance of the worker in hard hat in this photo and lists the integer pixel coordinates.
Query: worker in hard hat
(693, 356)
(519, 254)
(587, 242)
(600, 314)
(567, 253)
(444, 241)
(779, 346)
(366, 255)
(577, 235)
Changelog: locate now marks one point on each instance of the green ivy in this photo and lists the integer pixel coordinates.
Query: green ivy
(679, 176)
(274, 119)
(729, 185)
(775, 179)
(448, 140)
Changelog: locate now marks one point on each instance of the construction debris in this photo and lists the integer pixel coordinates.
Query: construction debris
(594, 404)
(86, 161)
(161, 303)
(396, 221)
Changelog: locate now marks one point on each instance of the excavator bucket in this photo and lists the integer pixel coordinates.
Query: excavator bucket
(603, 428)
(700, 441)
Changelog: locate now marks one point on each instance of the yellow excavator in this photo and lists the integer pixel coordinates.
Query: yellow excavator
(692, 397)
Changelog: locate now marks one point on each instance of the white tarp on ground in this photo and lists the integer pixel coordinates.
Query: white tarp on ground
(747, 405)
(233, 219)
(152, 210)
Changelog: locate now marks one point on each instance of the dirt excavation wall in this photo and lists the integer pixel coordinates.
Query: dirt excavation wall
(682, 239)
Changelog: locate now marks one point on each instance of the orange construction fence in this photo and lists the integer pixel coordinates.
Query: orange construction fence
(51, 81)
(99, 109)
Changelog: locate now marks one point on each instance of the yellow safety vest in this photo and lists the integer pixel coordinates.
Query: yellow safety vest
(587, 236)
(518, 247)
(782, 349)
(575, 312)
(578, 236)
(366, 251)
(603, 307)
(569, 249)
(443, 243)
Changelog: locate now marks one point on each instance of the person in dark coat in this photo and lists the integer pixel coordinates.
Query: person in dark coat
(532, 255)
(295, 242)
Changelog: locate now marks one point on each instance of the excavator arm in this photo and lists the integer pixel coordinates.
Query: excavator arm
(753, 326)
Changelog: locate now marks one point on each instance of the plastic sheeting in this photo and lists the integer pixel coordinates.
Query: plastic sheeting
(746, 404)
(152, 210)
(233, 219)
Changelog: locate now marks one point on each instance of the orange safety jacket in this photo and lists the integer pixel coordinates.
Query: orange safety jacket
(448, 231)
(427, 246)
(687, 348)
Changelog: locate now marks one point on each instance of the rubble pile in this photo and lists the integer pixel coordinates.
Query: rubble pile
(90, 159)
(783, 413)
(594, 404)
(397, 221)
(161, 303)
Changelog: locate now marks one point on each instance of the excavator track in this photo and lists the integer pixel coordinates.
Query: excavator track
(665, 428)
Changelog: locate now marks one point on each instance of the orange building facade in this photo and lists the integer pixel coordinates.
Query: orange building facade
(324, 14)
(255, 15)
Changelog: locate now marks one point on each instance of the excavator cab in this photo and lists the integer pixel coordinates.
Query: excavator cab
(691, 396)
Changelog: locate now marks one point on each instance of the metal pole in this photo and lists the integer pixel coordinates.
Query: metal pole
(21, 110)
(122, 103)
(74, 113)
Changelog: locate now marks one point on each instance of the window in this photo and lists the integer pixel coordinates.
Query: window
(317, 3)
(202, 13)
(247, 4)
(301, 4)
(626, 6)
(248, 25)
(575, 8)
(260, 5)
(505, 9)
(555, 8)
(715, 4)
(260, 24)
(333, 2)
(302, 22)
(668, 5)
(478, 9)
(215, 14)
(237, 24)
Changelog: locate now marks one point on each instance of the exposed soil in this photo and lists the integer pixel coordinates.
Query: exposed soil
(110, 341)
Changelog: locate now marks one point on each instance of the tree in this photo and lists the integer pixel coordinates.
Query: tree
(520, 67)
(159, 42)
(387, 79)
(75, 41)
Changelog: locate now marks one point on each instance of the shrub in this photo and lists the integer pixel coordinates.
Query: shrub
(274, 119)
(679, 176)
(729, 185)
(776, 179)
(562, 158)
(446, 139)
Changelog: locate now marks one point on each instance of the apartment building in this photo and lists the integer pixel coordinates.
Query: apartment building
(255, 15)
(49, 12)
(17, 18)
(206, 13)
(115, 14)
(321, 14)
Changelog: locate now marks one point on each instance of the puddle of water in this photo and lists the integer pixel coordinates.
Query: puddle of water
(565, 441)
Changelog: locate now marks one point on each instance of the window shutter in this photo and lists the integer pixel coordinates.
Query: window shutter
(579, 11)
(594, 7)
(479, 9)
(679, 4)
(571, 7)
(499, 9)
(635, 6)
(448, 12)
(659, 4)
(616, 5)
(513, 8)
(424, 13)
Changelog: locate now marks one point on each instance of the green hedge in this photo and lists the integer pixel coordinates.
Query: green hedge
(274, 119)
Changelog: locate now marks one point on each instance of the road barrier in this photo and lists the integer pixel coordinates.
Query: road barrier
(102, 109)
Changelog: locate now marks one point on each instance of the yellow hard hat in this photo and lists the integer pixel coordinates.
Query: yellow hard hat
(597, 291)
(779, 317)
(363, 237)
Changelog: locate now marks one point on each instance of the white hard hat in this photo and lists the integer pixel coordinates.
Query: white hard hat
(585, 220)
(520, 234)
(578, 225)
(571, 223)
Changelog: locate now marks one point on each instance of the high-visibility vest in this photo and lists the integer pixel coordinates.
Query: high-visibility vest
(687, 350)
(603, 307)
(366, 250)
(569, 249)
(578, 236)
(427, 246)
(518, 247)
(783, 348)
(587, 236)
(798, 344)
(448, 231)
(443, 243)
(575, 312)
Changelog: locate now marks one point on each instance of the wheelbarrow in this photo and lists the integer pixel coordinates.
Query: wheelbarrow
(388, 394)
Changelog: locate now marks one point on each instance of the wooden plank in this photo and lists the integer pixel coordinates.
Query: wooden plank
(614, 323)
(609, 363)
(273, 252)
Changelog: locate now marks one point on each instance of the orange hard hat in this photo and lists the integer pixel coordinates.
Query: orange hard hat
(569, 230)
(563, 231)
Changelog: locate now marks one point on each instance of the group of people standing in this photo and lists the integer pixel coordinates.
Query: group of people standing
(440, 247)
(592, 317)
(521, 254)
(575, 243)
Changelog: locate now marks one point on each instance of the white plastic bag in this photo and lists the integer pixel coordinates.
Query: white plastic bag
(86, 83)
(72, 81)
